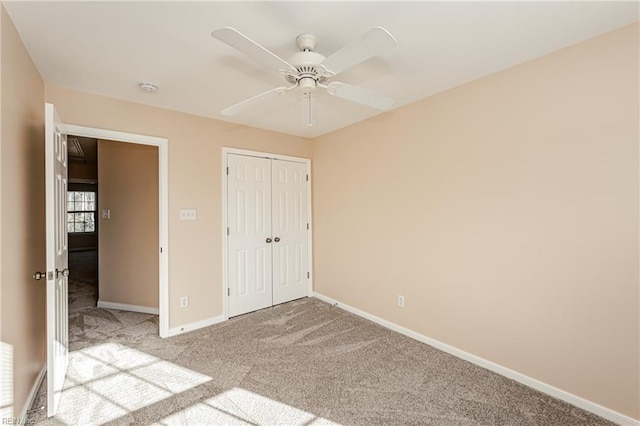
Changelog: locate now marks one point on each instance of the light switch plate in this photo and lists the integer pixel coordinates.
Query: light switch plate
(188, 214)
(106, 214)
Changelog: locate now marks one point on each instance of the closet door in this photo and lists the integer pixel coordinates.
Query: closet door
(290, 234)
(249, 243)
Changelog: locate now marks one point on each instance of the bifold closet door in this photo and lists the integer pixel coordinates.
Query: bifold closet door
(249, 221)
(290, 234)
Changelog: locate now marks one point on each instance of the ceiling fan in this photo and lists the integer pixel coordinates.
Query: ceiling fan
(307, 70)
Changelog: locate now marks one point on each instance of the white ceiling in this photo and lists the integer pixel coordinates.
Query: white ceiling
(109, 47)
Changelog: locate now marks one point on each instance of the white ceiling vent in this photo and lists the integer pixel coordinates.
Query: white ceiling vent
(74, 150)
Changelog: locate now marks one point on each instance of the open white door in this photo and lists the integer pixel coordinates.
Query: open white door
(57, 257)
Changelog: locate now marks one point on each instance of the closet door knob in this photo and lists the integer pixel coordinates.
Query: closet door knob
(276, 239)
(268, 240)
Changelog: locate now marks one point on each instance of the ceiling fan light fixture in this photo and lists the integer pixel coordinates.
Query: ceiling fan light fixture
(307, 85)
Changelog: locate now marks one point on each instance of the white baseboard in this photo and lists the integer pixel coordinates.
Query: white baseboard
(195, 325)
(32, 394)
(572, 399)
(127, 307)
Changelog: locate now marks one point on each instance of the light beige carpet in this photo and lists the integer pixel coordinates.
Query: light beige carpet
(300, 363)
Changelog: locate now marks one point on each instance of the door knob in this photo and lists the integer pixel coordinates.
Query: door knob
(64, 272)
(39, 275)
(268, 240)
(276, 239)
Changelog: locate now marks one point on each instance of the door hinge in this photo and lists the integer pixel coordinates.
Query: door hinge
(308, 275)
(160, 249)
(50, 275)
(307, 226)
(227, 171)
(228, 291)
(307, 178)
(227, 230)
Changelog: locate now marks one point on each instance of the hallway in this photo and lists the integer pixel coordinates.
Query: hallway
(83, 279)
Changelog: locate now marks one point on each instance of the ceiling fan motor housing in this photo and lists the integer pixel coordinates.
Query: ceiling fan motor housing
(306, 63)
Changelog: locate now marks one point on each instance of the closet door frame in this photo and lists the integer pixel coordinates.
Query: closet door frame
(225, 237)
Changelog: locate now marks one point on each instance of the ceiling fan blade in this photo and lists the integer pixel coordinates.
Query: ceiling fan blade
(360, 95)
(235, 39)
(247, 103)
(364, 47)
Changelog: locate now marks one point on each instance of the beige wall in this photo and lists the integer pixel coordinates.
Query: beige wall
(506, 212)
(83, 241)
(195, 143)
(22, 210)
(129, 240)
(82, 171)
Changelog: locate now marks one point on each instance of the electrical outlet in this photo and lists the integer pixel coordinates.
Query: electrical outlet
(188, 214)
(184, 301)
(401, 301)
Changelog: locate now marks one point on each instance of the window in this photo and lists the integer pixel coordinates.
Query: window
(81, 211)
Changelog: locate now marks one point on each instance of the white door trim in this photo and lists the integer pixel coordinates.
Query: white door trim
(163, 207)
(225, 273)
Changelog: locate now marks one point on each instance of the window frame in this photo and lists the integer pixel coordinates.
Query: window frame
(94, 212)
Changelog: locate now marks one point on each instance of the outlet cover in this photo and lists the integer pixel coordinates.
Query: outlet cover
(184, 301)
(401, 301)
(188, 214)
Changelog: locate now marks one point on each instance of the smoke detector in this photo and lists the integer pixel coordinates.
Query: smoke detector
(148, 87)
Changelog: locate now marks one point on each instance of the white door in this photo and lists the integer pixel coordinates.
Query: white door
(249, 243)
(57, 260)
(289, 229)
(267, 217)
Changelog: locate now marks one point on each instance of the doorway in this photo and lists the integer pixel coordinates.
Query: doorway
(113, 262)
(160, 146)
(267, 220)
(81, 221)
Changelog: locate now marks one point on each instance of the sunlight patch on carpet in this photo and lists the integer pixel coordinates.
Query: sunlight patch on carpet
(242, 407)
(111, 380)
